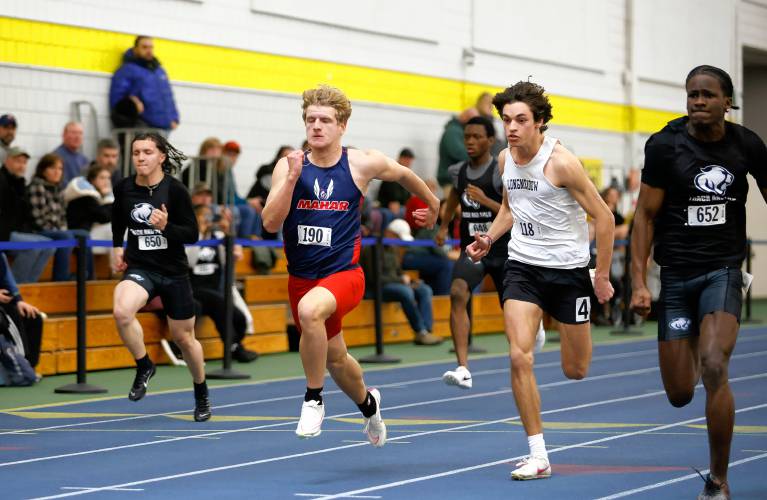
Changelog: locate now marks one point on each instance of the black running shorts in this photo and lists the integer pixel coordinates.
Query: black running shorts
(175, 292)
(473, 273)
(686, 298)
(563, 293)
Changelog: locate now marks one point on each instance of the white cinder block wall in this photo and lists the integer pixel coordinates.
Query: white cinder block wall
(580, 49)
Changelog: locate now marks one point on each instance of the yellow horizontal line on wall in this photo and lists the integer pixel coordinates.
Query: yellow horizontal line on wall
(87, 49)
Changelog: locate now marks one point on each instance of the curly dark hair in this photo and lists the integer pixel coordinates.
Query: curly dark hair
(531, 94)
(173, 157)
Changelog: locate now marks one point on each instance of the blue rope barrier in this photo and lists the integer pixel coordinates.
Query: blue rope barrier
(33, 245)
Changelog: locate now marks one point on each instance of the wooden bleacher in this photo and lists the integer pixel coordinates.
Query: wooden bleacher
(266, 295)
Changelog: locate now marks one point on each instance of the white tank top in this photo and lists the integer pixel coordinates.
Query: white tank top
(550, 227)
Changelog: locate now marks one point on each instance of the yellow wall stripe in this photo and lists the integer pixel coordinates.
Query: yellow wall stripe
(87, 49)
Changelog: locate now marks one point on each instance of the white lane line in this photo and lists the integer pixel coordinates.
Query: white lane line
(321, 496)
(292, 422)
(87, 488)
(606, 357)
(661, 484)
(426, 433)
(506, 460)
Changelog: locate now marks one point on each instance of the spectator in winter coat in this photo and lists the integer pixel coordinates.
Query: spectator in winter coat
(89, 201)
(49, 215)
(140, 94)
(15, 219)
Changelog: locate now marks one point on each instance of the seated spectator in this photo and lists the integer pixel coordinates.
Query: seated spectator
(7, 135)
(49, 215)
(630, 195)
(89, 203)
(392, 196)
(248, 211)
(415, 296)
(212, 170)
(26, 317)
(206, 267)
(15, 220)
(433, 264)
(69, 152)
(260, 189)
(108, 157)
(609, 312)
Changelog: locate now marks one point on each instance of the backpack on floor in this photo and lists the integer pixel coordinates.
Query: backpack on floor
(14, 367)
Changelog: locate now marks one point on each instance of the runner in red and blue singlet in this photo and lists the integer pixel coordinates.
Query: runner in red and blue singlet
(316, 197)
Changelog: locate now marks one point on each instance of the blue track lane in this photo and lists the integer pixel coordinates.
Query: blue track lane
(611, 433)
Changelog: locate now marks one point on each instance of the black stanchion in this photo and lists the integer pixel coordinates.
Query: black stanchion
(748, 318)
(81, 387)
(379, 356)
(626, 299)
(226, 371)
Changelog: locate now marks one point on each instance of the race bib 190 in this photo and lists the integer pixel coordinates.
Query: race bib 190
(706, 215)
(314, 235)
(152, 242)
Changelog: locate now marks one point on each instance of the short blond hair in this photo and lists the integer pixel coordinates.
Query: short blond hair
(325, 95)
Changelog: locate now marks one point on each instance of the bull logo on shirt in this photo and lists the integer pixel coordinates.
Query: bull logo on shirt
(468, 201)
(714, 179)
(141, 213)
(319, 193)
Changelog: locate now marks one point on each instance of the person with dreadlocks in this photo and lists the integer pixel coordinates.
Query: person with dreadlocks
(546, 197)
(157, 211)
(692, 207)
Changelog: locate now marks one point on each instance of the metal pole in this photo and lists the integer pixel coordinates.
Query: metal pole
(626, 299)
(81, 387)
(379, 356)
(226, 371)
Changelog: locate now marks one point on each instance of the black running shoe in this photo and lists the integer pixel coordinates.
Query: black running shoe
(140, 383)
(201, 409)
(712, 490)
(243, 355)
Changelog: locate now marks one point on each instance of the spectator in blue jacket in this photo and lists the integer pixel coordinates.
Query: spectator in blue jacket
(140, 94)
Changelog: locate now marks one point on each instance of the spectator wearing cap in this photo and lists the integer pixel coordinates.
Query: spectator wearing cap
(69, 151)
(140, 94)
(49, 216)
(7, 134)
(15, 220)
(415, 296)
(391, 195)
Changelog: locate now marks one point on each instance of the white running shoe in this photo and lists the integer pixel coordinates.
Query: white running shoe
(375, 428)
(532, 468)
(540, 338)
(460, 377)
(310, 423)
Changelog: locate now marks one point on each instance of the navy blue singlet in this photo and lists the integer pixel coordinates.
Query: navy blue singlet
(322, 229)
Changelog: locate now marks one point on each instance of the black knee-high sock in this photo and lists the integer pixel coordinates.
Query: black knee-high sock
(144, 364)
(369, 406)
(201, 390)
(313, 394)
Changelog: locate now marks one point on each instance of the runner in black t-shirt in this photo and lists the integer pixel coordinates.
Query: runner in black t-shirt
(692, 207)
(157, 212)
